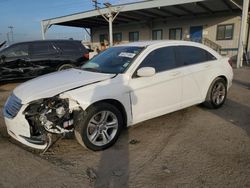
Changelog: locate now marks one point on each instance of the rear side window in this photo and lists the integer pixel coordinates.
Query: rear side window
(161, 59)
(189, 55)
(41, 48)
(71, 46)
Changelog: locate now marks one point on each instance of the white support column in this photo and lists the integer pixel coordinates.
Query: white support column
(243, 31)
(110, 30)
(110, 17)
(43, 31)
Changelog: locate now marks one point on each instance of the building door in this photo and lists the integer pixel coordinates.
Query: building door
(196, 33)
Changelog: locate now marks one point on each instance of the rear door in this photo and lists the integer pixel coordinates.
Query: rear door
(198, 64)
(15, 62)
(45, 57)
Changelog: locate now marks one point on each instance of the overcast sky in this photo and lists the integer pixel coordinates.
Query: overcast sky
(25, 16)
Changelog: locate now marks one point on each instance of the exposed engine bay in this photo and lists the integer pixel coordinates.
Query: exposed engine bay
(51, 116)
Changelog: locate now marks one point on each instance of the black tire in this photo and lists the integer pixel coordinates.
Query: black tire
(65, 66)
(212, 101)
(82, 130)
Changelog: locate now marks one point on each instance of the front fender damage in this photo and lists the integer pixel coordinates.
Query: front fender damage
(51, 117)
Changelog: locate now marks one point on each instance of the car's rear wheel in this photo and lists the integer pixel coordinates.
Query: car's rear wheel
(65, 66)
(217, 93)
(100, 128)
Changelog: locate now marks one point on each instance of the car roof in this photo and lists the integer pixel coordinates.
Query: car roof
(159, 42)
(50, 40)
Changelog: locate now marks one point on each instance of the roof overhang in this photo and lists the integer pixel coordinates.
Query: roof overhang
(147, 11)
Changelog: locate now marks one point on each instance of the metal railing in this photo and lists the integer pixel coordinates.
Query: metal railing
(211, 44)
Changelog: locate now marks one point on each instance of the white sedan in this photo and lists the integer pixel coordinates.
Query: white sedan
(120, 87)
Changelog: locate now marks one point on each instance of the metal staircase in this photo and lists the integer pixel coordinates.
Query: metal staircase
(211, 44)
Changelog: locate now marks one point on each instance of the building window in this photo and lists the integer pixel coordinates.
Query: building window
(225, 32)
(133, 36)
(117, 37)
(103, 37)
(175, 33)
(157, 34)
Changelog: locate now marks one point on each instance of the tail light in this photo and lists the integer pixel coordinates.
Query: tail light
(86, 55)
(230, 62)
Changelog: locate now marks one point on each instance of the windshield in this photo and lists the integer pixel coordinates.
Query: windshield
(113, 60)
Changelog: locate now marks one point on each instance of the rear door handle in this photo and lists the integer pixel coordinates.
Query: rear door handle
(208, 66)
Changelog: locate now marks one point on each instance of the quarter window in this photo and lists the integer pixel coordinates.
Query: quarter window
(157, 34)
(133, 36)
(225, 32)
(175, 34)
(189, 55)
(161, 59)
(70, 46)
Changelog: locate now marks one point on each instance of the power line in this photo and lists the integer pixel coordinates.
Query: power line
(96, 3)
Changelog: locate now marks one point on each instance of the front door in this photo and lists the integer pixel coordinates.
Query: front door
(161, 93)
(198, 71)
(196, 33)
(14, 62)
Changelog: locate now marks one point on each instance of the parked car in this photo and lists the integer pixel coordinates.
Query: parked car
(30, 59)
(120, 87)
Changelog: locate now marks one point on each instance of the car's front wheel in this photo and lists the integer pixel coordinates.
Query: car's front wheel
(100, 127)
(217, 93)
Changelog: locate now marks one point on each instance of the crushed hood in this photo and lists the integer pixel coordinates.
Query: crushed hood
(52, 84)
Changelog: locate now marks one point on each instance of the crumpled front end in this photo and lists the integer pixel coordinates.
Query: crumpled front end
(32, 123)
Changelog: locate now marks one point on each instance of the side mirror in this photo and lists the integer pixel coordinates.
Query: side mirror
(146, 72)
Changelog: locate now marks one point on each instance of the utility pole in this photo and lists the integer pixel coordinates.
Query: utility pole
(8, 38)
(109, 17)
(12, 34)
(95, 3)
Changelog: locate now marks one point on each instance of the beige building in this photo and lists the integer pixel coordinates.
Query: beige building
(216, 23)
(220, 32)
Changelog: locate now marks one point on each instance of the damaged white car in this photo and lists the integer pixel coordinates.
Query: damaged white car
(122, 86)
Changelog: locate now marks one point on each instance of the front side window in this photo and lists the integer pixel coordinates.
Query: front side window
(16, 50)
(133, 36)
(157, 34)
(161, 59)
(113, 60)
(225, 32)
(189, 55)
(175, 34)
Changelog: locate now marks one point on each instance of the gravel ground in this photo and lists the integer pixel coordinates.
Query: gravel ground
(194, 147)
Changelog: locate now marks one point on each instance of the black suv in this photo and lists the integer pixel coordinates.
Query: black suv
(30, 59)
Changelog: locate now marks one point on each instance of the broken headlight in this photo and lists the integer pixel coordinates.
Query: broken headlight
(51, 114)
